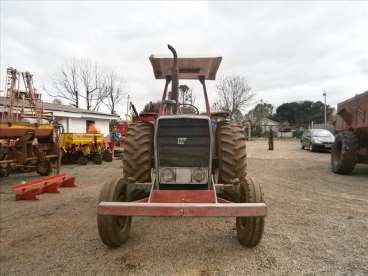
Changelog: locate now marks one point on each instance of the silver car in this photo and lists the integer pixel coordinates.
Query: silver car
(317, 139)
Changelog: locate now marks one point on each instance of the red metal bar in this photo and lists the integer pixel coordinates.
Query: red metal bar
(183, 196)
(183, 209)
(30, 194)
(51, 187)
(50, 184)
(221, 200)
(142, 200)
(40, 181)
(69, 182)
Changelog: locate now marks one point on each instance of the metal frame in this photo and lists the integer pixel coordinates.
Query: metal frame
(164, 95)
(173, 69)
(182, 203)
(25, 103)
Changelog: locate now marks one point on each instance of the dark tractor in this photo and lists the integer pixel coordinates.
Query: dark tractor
(351, 143)
(179, 163)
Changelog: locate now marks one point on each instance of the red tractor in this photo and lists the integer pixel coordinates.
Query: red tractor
(182, 163)
(351, 143)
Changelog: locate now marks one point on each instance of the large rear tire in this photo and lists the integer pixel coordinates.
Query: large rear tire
(138, 152)
(231, 152)
(114, 230)
(344, 153)
(250, 229)
(232, 157)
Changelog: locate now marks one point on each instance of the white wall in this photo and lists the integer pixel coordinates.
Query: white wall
(78, 125)
(285, 134)
(103, 126)
(64, 122)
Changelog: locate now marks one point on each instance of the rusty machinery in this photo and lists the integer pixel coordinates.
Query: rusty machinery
(351, 143)
(28, 138)
(179, 163)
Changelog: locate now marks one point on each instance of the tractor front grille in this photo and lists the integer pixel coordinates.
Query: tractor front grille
(183, 142)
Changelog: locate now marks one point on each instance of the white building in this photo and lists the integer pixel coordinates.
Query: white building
(76, 119)
(267, 124)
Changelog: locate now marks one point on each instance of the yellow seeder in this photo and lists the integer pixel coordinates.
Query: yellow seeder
(81, 147)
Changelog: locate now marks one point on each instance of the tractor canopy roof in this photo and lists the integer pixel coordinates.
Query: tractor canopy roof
(188, 68)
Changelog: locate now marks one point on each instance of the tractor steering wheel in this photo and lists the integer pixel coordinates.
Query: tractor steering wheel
(189, 110)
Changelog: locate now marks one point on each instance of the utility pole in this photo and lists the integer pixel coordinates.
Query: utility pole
(127, 108)
(325, 95)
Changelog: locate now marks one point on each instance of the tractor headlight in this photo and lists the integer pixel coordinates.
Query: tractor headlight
(167, 175)
(199, 175)
(183, 175)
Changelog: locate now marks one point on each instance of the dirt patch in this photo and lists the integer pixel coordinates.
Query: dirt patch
(317, 224)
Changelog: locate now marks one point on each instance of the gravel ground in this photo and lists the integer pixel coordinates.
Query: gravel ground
(317, 224)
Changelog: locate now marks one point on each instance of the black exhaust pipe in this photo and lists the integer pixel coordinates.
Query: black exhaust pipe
(174, 78)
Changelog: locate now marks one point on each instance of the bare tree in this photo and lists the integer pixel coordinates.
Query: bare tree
(234, 95)
(66, 84)
(80, 79)
(93, 84)
(113, 91)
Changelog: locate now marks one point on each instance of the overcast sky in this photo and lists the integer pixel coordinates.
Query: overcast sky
(287, 51)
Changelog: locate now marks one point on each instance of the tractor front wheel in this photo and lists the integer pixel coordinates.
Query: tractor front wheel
(250, 229)
(344, 153)
(114, 230)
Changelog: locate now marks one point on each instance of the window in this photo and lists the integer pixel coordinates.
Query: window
(88, 123)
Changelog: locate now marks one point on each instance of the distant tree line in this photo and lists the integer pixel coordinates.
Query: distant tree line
(299, 114)
(259, 112)
(302, 113)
